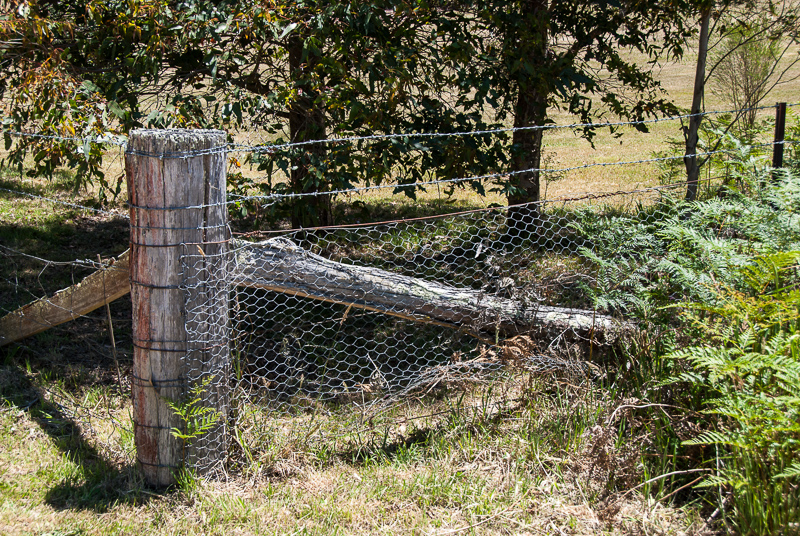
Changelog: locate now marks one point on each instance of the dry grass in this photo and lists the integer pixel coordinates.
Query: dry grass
(543, 466)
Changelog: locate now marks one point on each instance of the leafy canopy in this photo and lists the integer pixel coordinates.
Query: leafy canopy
(311, 69)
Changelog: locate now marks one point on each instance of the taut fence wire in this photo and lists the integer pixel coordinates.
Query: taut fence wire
(121, 141)
(340, 337)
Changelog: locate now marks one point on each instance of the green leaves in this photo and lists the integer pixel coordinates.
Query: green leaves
(750, 369)
(358, 67)
(196, 418)
(287, 30)
(116, 109)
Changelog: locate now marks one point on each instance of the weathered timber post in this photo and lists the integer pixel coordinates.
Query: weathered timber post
(176, 188)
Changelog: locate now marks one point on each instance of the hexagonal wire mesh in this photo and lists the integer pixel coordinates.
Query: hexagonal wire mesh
(350, 333)
(344, 335)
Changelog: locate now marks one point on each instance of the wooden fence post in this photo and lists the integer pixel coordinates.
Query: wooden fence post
(176, 189)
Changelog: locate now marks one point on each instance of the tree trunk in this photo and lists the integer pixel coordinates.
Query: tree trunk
(529, 110)
(524, 214)
(691, 134)
(307, 122)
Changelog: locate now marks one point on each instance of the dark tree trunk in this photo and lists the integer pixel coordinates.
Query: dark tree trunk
(691, 133)
(307, 122)
(523, 213)
(529, 110)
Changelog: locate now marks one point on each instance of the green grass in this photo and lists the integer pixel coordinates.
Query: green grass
(538, 454)
(518, 453)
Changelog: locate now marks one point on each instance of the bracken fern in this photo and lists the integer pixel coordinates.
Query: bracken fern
(749, 367)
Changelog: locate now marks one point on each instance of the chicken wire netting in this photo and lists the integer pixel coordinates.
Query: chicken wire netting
(343, 336)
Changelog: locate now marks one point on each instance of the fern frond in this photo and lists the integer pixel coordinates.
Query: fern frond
(790, 472)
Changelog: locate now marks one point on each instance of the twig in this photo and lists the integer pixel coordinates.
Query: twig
(714, 514)
(110, 326)
(698, 479)
(673, 473)
(626, 406)
(21, 408)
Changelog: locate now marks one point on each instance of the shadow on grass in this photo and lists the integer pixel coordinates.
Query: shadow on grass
(39, 226)
(67, 233)
(62, 182)
(33, 241)
(36, 257)
(453, 420)
(98, 484)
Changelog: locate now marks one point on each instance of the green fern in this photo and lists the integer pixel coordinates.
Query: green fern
(729, 263)
(750, 367)
(197, 419)
(676, 252)
(790, 472)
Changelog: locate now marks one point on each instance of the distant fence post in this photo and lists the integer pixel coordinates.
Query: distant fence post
(780, 133)
(176, 188)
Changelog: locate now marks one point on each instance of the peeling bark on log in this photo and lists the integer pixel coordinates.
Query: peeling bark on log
(281, 266)
(95, 290)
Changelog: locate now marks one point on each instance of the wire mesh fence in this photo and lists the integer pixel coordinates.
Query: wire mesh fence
(359, 333)
(351, 336)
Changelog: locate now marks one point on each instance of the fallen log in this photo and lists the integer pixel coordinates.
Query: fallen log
(95, 290)
(281, 266)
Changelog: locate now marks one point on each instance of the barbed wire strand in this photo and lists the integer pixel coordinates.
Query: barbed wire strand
(83, 263)
(582, 196)
(240, 199)
(251, 148)
(260, 149)
(104, 139)
(121, 141)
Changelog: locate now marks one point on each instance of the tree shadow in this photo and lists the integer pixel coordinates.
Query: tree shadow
(98, 484)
